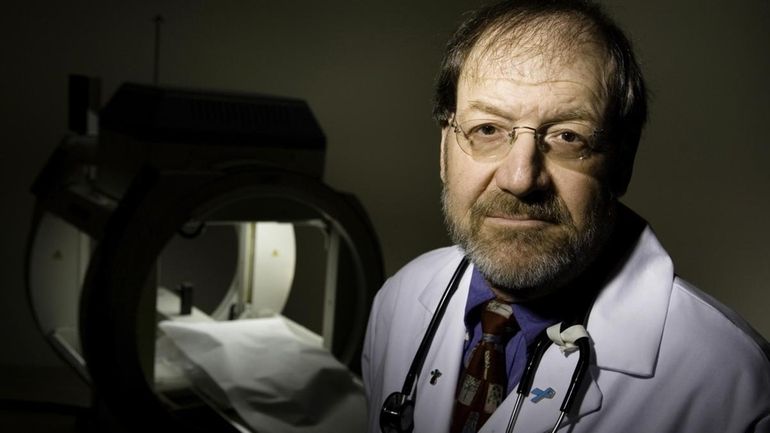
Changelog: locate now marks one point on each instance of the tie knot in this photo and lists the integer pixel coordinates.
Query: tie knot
(497, 319)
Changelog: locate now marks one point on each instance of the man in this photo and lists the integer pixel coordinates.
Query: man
(541, 105)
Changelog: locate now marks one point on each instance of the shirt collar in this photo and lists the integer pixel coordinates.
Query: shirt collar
(531, 321)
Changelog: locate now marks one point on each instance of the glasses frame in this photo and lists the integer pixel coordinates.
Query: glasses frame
(513, 134)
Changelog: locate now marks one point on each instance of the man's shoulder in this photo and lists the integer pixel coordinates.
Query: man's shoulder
(430, 262)
(715, 325)
(413, 277)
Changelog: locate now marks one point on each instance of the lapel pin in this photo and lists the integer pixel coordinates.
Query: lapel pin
(434, 375)
(541, 394)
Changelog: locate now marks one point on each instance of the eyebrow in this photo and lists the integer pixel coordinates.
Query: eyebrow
(579, 113)
(487, 108)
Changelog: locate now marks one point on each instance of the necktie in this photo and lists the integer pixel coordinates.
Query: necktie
(484, 381)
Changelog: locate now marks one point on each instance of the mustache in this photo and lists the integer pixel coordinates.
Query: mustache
(497, 203)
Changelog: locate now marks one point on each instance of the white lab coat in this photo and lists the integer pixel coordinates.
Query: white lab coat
(666, 357)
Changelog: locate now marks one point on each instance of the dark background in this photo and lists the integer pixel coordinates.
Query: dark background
(366, 69)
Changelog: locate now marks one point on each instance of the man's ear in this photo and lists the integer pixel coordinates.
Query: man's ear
(442, 162)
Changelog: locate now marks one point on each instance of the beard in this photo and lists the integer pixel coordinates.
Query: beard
(528, 262)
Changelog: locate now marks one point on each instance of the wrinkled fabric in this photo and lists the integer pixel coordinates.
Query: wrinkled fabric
(275, 381)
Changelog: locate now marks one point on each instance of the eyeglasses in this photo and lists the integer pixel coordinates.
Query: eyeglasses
(492, 140)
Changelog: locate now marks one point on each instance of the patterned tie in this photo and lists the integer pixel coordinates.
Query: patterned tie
(484, 382)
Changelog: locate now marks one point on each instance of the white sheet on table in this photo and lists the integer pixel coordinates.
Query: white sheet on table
(276, 381)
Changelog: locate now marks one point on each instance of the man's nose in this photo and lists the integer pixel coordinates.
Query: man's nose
(522, 171)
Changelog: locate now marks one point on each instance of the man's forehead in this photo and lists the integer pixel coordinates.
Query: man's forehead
(500, 73)
(532, 63)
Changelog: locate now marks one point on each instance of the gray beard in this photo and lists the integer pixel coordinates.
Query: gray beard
(528, 263)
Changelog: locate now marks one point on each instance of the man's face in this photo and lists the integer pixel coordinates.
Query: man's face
(530, 222)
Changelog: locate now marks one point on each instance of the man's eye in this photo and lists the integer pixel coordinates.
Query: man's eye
(566, 137)
(569, 136)
(487, 129)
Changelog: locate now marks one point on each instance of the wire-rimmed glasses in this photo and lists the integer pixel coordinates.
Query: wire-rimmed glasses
(491, 140)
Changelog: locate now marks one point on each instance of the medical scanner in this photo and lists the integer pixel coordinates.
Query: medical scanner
(187, 260)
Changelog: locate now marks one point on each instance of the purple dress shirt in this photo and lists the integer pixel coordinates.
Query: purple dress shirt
(531, 323)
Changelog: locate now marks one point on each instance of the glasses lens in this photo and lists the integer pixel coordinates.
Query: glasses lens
(568, 140)
(483, 140)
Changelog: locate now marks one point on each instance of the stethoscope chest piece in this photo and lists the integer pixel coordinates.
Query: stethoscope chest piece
(397, 415)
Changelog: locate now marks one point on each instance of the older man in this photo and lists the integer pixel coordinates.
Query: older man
(541, 105)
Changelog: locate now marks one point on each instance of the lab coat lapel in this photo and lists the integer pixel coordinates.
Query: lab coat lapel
(435, 397)
(638, 294)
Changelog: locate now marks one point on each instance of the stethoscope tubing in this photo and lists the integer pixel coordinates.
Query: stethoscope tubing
(397, 412)
(427, 339)
(525, 384)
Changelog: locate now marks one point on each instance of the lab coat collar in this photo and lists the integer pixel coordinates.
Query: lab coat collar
(630, 311)
(431, 295)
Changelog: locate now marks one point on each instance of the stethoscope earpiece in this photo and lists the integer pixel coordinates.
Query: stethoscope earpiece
(397, 414)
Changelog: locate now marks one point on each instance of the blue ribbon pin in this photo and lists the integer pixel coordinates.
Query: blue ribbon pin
(540, 394)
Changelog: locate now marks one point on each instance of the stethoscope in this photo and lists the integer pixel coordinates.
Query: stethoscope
(397, 414)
